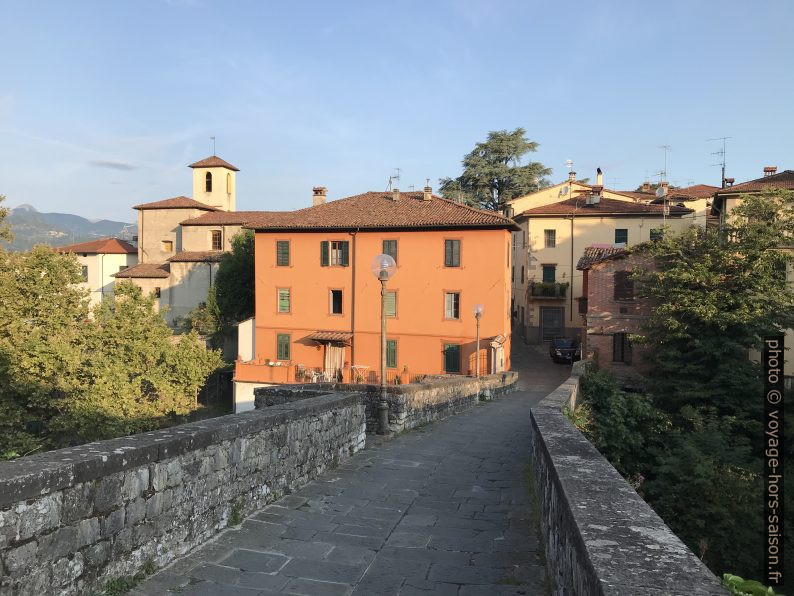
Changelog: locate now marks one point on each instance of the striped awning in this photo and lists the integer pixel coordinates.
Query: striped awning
(331, 337)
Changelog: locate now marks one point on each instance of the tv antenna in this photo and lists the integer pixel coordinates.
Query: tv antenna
(614, 182)
(213, 145)
(569, 164)
(666, 148)
(721, 153)
(397, 175)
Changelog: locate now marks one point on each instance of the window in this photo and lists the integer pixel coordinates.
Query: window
(624, 286)
(208, 182)
(336, 302)
(549, 238)
(121, 268)
(657, 234)
(217, 240)
(228, 184)
(282, 253)
(522, 274)
(513, 275)
(549, 273)
(621, 236)
(452, 305)
(391, 303)
(451, 253)
(524, 236)
(168, 245)
(157, 292)
(284, 300)
(334, 253)
(391, 353)
(515, 240)
(451, 358)
(390, 248)
(621, 348)
(84, 272)
(283, 346)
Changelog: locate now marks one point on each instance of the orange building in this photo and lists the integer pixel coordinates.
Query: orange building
(317, 314)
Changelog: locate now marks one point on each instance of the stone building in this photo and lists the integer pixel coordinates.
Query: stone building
(611, 310)
(181, 240)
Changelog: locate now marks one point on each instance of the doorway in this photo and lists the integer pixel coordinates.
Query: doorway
(551, 322)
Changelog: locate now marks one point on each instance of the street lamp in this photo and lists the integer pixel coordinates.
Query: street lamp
(383, 267)
(478, 310)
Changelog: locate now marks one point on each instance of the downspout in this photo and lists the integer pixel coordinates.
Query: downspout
(571, 278)
(353, 302)
(102, 275)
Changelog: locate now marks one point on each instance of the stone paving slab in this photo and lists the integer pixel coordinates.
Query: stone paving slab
(440, 510)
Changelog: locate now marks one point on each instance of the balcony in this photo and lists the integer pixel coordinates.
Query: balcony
(547, 290)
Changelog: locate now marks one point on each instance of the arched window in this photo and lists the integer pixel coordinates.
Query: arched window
(208, 183)
(228, 183)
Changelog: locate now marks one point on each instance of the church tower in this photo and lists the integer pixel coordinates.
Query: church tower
(214, 183)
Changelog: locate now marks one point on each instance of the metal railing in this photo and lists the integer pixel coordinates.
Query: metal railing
(548, 289)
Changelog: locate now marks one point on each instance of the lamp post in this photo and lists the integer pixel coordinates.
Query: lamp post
(383, 267)
(478, 310)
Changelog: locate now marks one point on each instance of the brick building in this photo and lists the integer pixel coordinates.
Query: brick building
(610, 308)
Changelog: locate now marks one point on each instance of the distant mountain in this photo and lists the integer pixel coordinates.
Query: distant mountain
(58, 229)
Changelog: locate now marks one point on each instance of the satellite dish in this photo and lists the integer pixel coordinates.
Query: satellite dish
(564, 190)
(660, 192)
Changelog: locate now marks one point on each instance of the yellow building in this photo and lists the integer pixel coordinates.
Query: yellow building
(572, 188)
(99, 260)
(553, 237)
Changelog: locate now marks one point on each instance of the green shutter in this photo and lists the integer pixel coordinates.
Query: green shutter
(391, 304)
(283, 300)
(390, 248)
(283, 346)
(456, 253)
(345, 253)
(391, 353)
(282, 253)
(451, 358)
(447, 253)
(324, 253)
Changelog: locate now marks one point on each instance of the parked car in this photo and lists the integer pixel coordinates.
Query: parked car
(565, 350)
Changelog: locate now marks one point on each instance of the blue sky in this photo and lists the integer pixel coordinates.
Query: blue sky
(103, 104)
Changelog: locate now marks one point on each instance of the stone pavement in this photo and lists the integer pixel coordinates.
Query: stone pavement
(439, 510)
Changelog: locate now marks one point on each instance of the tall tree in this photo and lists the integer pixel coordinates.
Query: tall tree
(493, 173)
(234, 282)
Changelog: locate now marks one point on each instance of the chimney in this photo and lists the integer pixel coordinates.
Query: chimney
(594, 198)
(319, 194)
(427, 193)
(646, 187)
(729, 181)
(770, 170)
(395, 195)
(572, 176)
(665, 186)
(599, 178)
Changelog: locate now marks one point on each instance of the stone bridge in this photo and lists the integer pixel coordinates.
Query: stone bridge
(284, 500)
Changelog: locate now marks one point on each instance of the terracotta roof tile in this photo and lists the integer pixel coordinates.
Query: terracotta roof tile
(107, 246)
(197, 256)
(597, 253)
(213, 162)
(603, 207)
(690, 193)
(784, 180)
(219, 218)
(144, 270)
(175, 203)
(377, 210)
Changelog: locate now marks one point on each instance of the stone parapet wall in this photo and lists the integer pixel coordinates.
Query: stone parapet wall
(72, 519)
(601, 537)
(410, 405)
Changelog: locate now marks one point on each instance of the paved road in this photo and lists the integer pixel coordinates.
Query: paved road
(439, 510)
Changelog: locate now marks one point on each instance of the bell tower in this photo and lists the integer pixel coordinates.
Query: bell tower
(214, 183)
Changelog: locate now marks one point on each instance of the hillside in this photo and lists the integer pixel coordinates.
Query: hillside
(31, 227)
